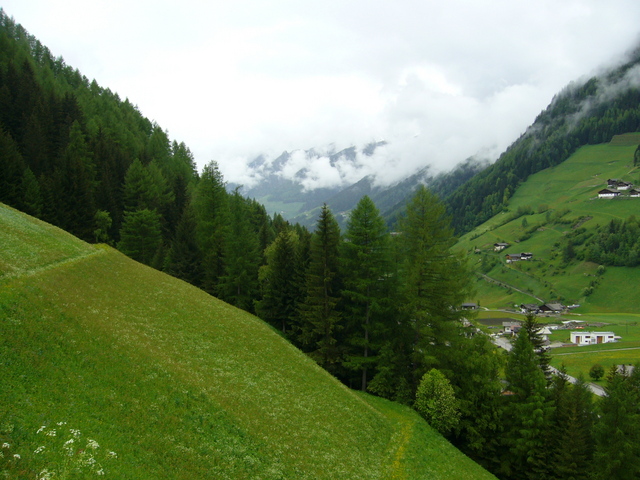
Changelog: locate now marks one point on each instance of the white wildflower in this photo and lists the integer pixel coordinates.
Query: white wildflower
(61, 423)
(92, 444)
(100, 472)
(41, 428)
(69, 442)
(75, 433)
(6, 445)
(113, 454)
(40, 449)
(51, 433)
(16, 456)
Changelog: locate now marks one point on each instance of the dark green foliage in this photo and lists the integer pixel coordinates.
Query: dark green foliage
(532, 327)
(141, 236)
(572, 431)
(434, 281)
(185, 258)
(617, 243)
(527, 414)
(282, 289)
(596, 372)
(617, 432)
(366, 294)
(320, 319)
(239, 283)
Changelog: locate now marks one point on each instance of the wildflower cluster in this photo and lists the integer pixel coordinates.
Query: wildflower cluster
(64, 454)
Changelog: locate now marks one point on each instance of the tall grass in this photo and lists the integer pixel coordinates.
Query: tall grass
(177, 383)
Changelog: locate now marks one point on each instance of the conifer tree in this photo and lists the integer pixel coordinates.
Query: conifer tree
(617, 432)
(281, 288)
(141, 236)
(320, 318)
(528, 413)
(210, 203)
(366, 267)
(184, 259)
(239, 283)
(434, 280)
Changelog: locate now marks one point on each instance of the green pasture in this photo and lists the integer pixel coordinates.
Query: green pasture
(153, 378)
(559, 199)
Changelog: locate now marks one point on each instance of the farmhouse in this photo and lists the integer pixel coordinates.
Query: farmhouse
(551, 308)
(634, 192)
(469, 306)
(529, 308)
(608, 193)
(498, 247)
(614, 183)
(511, 327)
(592, 338)
(516, 257)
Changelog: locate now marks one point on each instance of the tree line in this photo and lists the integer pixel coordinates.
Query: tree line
(379, 310)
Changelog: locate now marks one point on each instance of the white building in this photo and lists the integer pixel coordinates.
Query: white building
(592, 338)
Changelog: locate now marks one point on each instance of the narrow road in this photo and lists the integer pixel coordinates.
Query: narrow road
(502, 284)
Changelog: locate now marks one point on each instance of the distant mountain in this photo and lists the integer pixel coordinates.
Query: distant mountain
(281, 192)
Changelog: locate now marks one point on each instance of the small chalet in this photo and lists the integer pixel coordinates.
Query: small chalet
(469, 306)
(516, 257)
(616, 184)
(529, 308)
(498, 247)
(551, 308)
(634, 192)
(511, 327)
(608, 193)
(592, 338)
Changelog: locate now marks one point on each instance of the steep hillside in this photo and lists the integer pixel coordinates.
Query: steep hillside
(586, 112)
(105, 359)
(556, 215)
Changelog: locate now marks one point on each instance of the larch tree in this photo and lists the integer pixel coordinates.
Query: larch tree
(434, 279)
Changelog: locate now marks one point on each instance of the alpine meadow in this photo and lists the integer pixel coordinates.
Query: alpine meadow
(157, 323)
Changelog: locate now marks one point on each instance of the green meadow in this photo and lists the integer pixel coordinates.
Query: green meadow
(110, 367)
(558, 200)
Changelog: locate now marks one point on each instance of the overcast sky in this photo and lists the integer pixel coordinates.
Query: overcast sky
(438, 80)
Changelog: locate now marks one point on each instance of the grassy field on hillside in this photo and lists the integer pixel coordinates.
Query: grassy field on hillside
(555, 202)
(106, 359)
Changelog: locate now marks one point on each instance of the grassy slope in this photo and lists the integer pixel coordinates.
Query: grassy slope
(177, 383)
(572, 185)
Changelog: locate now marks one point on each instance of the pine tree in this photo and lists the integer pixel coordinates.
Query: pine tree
(532, 327)
(320, 320)
(366, 267)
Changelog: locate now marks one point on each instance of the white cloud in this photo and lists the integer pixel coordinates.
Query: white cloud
(439, 81)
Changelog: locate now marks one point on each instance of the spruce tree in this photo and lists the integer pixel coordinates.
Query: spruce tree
(366, 267)
(141, 236)
(617, 432)
(185, 258)
(528, 413)
(320, 318)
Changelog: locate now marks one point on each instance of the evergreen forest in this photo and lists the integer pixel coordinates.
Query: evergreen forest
(379, 310)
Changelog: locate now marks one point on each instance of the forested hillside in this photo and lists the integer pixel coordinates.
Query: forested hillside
(380, 312)
(588, 112)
